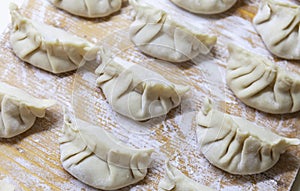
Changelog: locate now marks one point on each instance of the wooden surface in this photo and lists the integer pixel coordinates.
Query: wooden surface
(31, 161)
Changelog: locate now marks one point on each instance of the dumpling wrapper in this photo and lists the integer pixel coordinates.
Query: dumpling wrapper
(205, 6)
(278, 25)
(135, 91)
(98, 159)
(175, 180)
(19, 110)
(260, 84)
(6, 186)
(237, 145)
(89, 8)
(47, 47)
(156, 34)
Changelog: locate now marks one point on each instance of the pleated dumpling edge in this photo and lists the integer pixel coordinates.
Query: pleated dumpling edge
(19, 110)
(207, 7)
(89, 8)
(98, 159)
(156, 34)
(46, 47)
(260, 83)
(277, 23)
(237, 145)
(135, 91)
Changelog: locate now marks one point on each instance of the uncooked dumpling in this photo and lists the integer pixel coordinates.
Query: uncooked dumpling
(175, 180)
(47, 47)
(205, 6)
(259, 83)
(278, 25)
(6, 186)
(236, 145)
(96, 158)
(89, 8)
(157, 35)
(19, 110)
(135, 91)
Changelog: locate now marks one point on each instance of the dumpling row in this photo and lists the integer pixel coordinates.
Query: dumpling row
(126, 88)
(235, 144)
(232, 144)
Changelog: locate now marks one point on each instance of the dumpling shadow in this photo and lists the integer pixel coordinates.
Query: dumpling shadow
(278, 117)
(138, 127)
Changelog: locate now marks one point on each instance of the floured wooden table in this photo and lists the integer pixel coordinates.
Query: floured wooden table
(31, 161)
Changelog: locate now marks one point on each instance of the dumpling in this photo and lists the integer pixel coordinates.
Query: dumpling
(89, 8)
(278, 25)
(156, 34)
(47, 47)
(236, 145)
(175, 180)
(135, 91)
(205, 6)
(96, 158)
(6, 186)
(19, 110)
(259, 83)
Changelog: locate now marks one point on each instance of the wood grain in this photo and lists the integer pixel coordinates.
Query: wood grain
(31, 161)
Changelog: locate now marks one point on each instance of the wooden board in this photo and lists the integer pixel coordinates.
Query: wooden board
(31, 161)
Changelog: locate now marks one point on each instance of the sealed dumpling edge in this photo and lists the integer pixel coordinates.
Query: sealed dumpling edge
(175, 180)
(260, 83)
(237, 145)
(156, 34)
(89, 8)
(19, 110)
(278, 25)
(205, 6)
(46, 47)
(134, 91)
(98, 159)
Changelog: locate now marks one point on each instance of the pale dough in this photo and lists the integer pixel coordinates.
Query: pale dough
(98, 159)
(237, 145)
(156, 34)
(19, 110)
(46, 47)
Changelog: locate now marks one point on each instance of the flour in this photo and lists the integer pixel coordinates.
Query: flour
(172, 136)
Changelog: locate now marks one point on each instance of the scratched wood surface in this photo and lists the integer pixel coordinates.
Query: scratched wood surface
(31, 161)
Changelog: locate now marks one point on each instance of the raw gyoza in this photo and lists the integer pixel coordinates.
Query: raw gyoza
(237, 145)
(135, 91)
(89, 8)
(19, 110)
(175, 180)
(156, 34)
(47, 47)
(278, 25)
(96, 158)
(259, 83)
(205, 6)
